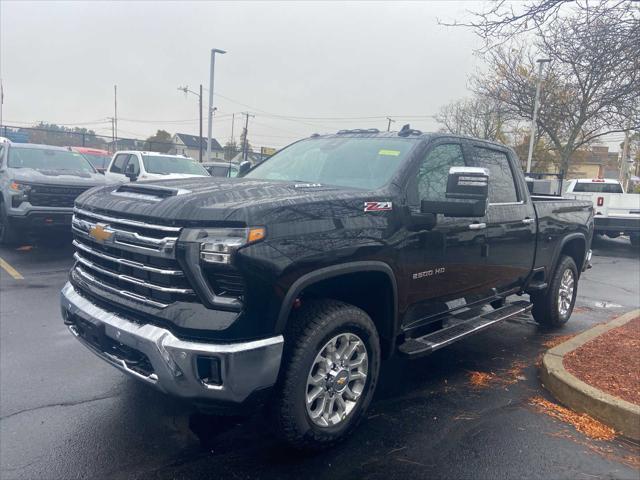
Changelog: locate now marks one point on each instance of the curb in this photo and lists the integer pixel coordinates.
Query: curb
(623, 416)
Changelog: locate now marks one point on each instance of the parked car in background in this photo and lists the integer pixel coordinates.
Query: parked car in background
(221, 169)
(291, 284)
(38, 185)
(131, 166)
(616, 213)
(98, 158)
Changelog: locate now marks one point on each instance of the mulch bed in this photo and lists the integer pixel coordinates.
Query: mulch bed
(610, 362)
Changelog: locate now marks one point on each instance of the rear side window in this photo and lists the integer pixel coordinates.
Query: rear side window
(502, 188)
(118, 163)
(598, 187)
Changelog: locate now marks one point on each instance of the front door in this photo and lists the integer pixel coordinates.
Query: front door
(444, 266)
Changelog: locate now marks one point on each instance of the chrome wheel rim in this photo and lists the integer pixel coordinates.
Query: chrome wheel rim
(565, 295)
(336, 380)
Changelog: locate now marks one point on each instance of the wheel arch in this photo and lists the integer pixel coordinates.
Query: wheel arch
(347, 282)
(575, 246)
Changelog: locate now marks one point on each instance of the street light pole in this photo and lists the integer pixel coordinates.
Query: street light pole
(186, 90)
(534, 118)
(210, 112)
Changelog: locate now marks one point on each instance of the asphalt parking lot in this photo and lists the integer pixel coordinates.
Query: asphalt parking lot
(66, 414)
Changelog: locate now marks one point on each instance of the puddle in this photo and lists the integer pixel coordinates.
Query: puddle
(604, 304)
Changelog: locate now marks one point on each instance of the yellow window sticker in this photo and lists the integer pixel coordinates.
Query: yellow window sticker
(389, 153)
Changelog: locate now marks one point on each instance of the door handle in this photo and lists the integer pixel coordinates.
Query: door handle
(527, 221)
(477, 226)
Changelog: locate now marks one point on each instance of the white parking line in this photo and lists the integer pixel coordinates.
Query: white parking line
(10, 270)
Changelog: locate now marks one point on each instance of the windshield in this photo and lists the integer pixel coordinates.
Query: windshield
(357, 162)
(45, 159)
(98, 161)
(165, 165)
(598, 187)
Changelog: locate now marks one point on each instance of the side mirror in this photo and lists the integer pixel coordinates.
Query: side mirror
(467, 194)
(243, 168)
(130, 173)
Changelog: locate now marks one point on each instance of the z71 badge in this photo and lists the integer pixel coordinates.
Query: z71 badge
(378, 206)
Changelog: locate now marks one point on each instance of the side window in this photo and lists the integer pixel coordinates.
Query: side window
(434, 170)
(133, 165)
(502, 188)
(118, 163)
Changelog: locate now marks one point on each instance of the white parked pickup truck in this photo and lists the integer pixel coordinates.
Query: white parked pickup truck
(130, 166)
(616, 212)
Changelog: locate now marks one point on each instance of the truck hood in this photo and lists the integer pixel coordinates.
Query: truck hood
(55, 177)
(217, 201)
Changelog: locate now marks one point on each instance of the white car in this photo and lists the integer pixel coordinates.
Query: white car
(130, 166)
(615, 212)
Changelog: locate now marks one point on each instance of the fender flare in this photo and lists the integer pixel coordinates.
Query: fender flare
(561, 245)
(334, 271)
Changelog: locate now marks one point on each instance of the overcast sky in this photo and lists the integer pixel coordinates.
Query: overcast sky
(327, 62)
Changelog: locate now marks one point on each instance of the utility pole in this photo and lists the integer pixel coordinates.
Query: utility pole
(246, 134)
(534, 118)
(1, 100)
(210, 111)
(233, 122)
(113, 133)
(115, 115)
(186, 90)
(389, 124)
(624, 164)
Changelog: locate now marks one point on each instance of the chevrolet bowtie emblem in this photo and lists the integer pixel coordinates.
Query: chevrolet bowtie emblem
(341, 381)
(100, 232)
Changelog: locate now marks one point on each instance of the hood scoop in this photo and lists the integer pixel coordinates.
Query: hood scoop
(148, 192)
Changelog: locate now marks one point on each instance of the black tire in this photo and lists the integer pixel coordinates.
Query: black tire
(9, 234)
(311, 328)
(635, 240)
(547, 309)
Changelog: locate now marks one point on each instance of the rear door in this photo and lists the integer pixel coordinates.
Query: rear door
(511, 219)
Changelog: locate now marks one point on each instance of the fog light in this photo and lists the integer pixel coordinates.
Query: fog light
(209, 370)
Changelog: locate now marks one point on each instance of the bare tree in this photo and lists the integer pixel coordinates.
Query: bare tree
(505, 20)
(477, 117)
(590, 88)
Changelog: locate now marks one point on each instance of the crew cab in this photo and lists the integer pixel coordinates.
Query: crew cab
(616, 213)
(38, 185)
(289, 285)
(131, 166)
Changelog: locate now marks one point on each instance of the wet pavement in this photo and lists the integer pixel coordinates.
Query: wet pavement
(65, 414)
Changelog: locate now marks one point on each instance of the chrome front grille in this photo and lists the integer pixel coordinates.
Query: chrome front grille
(132, 259)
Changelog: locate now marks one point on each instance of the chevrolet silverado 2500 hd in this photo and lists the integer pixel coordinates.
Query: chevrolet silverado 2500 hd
(291, 284)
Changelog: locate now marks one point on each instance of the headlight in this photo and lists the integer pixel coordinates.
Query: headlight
(218, 244)
(19, 187)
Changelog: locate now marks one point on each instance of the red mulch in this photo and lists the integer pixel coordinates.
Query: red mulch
(610, 362)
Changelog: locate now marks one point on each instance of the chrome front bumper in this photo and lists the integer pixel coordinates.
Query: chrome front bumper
(244, 367)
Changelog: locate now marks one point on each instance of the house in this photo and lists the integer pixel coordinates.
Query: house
(597, 162)
(189, 145)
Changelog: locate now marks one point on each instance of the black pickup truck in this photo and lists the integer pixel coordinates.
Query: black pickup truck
(287, 287)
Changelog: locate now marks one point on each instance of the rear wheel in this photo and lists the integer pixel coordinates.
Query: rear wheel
(9, 234)
(329, 373)
(553, 308)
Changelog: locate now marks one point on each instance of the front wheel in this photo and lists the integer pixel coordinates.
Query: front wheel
(9, 234)
(553, 308)
(330, 371)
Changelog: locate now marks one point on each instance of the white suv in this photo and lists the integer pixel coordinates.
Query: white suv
(132, 166)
